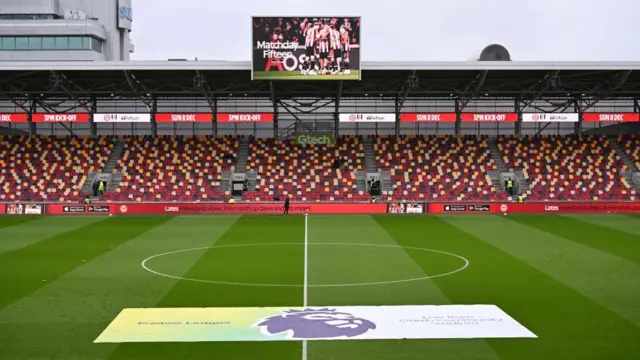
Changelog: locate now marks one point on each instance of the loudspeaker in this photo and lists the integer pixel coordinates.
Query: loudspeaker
(495, 52)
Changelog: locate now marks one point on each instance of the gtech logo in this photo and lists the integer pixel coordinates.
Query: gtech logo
(126, 13)
(314, 139)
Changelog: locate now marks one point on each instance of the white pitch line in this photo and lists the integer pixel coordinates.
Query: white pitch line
(306, 279)
(147, 268)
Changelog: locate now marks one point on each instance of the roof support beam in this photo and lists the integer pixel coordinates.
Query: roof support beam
(479, 83)
(336, 114)
(272, 95)
(547, 82)
(136, 86)
(406, 88)
(201, 82)
(60, 80)
(274, 102)
(611, 86)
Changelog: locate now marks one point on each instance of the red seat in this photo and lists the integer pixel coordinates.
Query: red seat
(440, 168)
(568, 168)
(174, 168)
(49, 168)
(305, 172)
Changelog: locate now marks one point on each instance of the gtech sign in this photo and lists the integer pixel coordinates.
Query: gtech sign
(125, 14)
(314, 139)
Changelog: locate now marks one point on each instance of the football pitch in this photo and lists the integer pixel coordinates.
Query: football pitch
(295, 75)
(574, 281)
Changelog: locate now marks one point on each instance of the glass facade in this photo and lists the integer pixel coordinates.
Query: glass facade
(28, 17)
(19, 43)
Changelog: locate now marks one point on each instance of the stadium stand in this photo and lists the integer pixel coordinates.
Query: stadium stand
(172, 168)
(49, 168)
(631, 144)
(437, 168)
(443, 168)
(306, 172)
(567, 167)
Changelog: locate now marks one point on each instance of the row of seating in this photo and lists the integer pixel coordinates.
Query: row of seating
(49, 168)
(567, 167)
(631, 144)
(306, 173)
(437, 168)
(173, 168)
(440, 168)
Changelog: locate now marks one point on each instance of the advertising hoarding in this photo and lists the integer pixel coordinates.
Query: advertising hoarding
(60, 118)
(305, 48)
(244, 118)
(194, 208)
(13, 118)
(314, 139)
(489, 117)
(183, 118)
(535, 207)
(551, 117)
(428, 117)
(368, 118)
(611, 117)
(122, 118)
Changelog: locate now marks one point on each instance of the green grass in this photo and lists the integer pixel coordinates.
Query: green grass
(295, 75)
(572, 280)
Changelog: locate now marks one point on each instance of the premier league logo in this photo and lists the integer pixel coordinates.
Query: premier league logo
(310, 323)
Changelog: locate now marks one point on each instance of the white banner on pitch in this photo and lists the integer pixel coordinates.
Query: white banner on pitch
(313, 323)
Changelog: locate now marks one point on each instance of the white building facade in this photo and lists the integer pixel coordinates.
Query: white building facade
(65, 30)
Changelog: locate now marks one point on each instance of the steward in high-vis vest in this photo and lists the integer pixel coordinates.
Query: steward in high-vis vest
(232, 201)
(520, 198)
(87, 200)
(510, 186)
(101, 187)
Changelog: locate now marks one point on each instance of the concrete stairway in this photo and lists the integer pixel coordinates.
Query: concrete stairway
(116, 154)
(225, 181)
(243, 155)
(252, 180)
(523, 185)
(114, 180)
(386, 185)
(369, 156)
(628, 174)
(617, 147)
(494, 175)
(86, 186)
(496, 155)
(361, 180)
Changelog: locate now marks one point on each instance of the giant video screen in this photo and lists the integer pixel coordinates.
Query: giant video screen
(306, 48)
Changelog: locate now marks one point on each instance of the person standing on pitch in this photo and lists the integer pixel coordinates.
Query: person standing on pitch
(286, 206)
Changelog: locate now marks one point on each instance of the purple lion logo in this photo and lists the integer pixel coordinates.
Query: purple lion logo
(315, 324)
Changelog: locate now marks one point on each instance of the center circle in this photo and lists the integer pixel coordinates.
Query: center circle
(463, 260)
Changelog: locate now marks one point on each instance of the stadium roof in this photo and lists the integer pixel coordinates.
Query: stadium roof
(229, 78)
(217, 65)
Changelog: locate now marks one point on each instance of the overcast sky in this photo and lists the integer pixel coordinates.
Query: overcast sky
(402, 30)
